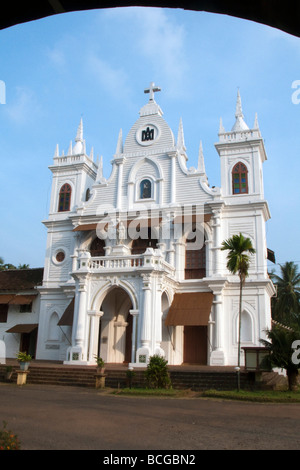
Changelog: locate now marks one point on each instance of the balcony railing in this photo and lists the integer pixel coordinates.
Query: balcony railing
(144, 262)
(104, 262)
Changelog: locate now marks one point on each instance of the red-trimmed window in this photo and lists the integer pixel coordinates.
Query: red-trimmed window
(240, 179)
(64, 198)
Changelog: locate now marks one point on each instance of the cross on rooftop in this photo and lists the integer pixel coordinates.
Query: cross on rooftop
(152, 89)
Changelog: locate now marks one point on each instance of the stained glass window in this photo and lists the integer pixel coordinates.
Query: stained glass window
(64, 198)
(240, 179)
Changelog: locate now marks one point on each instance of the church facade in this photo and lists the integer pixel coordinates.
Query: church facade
(133, 264)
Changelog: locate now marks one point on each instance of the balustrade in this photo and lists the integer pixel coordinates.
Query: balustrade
(133, 262)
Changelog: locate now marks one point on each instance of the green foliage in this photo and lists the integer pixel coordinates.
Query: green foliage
(259, 396)
(157, 374)
(100, 361)
(8, 440)
(238, 259)
(6, 266)
(280, 344)
(23, 357)
(286, 305)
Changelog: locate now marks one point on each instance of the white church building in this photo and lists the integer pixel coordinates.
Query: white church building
(133, 264)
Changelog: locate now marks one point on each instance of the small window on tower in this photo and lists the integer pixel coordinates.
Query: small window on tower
(64, 198)
(240, 179)
(145, 189)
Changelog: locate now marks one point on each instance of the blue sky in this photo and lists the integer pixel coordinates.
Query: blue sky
(96, 65)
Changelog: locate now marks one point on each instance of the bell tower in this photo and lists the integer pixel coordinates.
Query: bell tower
(242, 154)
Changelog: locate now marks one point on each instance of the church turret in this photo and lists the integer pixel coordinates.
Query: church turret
(239, 124)
(73, 174)
(242, 154)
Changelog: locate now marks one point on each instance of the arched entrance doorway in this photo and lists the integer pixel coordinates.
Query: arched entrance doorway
(115, 327)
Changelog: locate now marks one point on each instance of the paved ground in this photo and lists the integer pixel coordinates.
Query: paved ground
(70, 418)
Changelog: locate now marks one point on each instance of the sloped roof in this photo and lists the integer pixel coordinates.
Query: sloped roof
(20, 279)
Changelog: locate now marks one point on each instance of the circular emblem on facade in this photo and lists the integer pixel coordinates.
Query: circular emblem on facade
(147, 134)
(58, 256)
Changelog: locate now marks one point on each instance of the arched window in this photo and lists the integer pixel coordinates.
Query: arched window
(64, 198)
(246, 327)
(87, 194)
(240, 179)
(97, 247)
(145, 189)
(53, 333)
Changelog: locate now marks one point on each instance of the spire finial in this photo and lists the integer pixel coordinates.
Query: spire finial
(100, 170)
(119, 148)
(239, 124)
(180, 136)
(238, 109)
(221, 127)
(56, 153)
(255, 125)
(79, 135)
(92, 154)
(70, 149)
(201, 166)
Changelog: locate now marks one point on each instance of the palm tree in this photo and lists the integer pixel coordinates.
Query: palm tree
(286, 306)
(280, 343)
(23, 266)
(238, 261)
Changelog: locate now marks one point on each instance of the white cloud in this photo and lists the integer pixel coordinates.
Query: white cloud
(159, 40)
(113, 80)
(57, 56)
(23, 106)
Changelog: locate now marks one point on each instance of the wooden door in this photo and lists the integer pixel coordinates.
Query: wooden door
(195, 345)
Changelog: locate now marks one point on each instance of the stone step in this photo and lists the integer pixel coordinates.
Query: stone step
(85, 377)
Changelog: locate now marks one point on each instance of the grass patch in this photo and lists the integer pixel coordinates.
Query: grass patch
(262, 396)
(150, 392)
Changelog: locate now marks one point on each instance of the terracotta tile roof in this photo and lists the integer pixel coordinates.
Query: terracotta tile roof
(20, 279)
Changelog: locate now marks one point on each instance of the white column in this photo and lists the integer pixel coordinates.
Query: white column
(80, 328)
(217, 355)
(77, 352)
(179, 259)
(218, 319)
(157, 327)
(143, 353)
(93, 334)
(217, 243)
(146, 320)
(173, 179)
(120, 181)
(134, 314)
